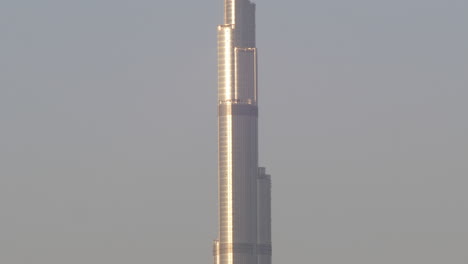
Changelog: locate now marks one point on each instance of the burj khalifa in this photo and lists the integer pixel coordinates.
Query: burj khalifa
(244, 189)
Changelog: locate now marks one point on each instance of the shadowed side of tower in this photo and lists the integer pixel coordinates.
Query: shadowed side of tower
(264, 249)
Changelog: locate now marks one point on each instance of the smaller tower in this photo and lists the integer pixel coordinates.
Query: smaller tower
(264, 249)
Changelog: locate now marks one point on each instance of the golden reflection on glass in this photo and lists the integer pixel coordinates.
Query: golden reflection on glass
(237, 136)
(229, 175)
(227, 62)
(217, 256)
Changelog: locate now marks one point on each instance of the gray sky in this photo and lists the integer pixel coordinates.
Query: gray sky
(108, 130)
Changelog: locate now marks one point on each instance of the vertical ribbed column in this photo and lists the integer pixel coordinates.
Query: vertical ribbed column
(264, 249)
(226, 63)
(229, 12)
(238, 162)
(216, 252)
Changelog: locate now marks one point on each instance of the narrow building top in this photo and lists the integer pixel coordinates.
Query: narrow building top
(233, 10)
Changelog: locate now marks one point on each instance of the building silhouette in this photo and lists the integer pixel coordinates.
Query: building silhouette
(244, 188)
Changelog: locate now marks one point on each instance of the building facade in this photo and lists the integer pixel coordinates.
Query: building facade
(244, 189)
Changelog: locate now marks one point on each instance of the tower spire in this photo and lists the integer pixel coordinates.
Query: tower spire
(229, 12)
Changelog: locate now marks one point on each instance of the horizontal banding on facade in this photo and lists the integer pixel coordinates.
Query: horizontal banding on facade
(243, 248)
(264, 249)
(239, 248)
(237, 109)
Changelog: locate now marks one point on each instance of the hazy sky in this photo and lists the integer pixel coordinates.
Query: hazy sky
(108, 130)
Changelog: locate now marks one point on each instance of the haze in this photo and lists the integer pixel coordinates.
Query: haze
(108, 130)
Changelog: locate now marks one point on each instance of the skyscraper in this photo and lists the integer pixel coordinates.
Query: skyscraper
(244, 188)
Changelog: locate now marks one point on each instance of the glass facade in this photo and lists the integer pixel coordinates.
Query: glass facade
(242, 234)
